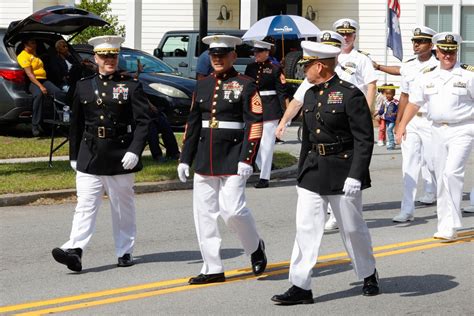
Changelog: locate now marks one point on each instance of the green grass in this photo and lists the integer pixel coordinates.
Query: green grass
(37, 176)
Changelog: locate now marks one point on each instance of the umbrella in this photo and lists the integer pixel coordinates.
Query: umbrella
(281, 26)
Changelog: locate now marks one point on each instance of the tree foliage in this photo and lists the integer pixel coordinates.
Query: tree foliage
(102, 9)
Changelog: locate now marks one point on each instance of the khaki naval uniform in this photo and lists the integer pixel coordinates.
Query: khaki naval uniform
(449, 96)
(271, 86)
(109, 118)
(223, 129)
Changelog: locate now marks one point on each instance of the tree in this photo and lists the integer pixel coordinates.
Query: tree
(102, 9)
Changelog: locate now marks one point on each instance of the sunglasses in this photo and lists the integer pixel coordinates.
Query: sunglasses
(105, 56)
(421, 41)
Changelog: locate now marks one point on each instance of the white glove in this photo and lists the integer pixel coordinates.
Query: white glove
(183, 172)
(244, 170)
(351, 186)
(73, 164)
(129, 160)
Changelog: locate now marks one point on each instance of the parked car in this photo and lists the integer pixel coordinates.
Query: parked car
(46, 26)
(181, 50)
(165, 89)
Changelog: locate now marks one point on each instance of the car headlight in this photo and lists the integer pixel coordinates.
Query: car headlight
(169, 90)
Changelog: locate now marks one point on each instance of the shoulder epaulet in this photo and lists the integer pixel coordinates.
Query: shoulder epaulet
(124, 75)
(362, 52)
(88, 77)
(411, 59)
(346, 84)
(467, 67)
(429, 69)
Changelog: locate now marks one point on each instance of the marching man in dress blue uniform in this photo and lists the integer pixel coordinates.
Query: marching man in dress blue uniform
(271, 87)
(222, 136)
(109, 126)
(336, 150)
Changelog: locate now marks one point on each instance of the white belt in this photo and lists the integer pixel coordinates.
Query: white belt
(268, 92)
(223, 124)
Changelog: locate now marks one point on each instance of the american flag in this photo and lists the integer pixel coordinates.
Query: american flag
(394, 40)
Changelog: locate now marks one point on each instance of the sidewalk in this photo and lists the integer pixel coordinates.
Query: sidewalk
(291, 146)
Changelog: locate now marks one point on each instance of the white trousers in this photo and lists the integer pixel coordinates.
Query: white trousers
(224, 196)
(452, 148)
(90, 191)
(310, 215)
(417, 151)
(265, 152)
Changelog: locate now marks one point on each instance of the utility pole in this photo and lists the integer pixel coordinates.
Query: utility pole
(202, 24)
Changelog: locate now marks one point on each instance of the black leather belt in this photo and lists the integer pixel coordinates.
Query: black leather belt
(331, 149)
(107, 132)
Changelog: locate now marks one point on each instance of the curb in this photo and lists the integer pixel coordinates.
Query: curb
(143, 187)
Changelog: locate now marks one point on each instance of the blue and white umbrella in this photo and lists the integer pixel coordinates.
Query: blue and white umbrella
(281, 26)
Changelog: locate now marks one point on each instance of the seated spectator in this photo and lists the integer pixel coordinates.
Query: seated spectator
(39, 86)
(159, 125)
(59, 65)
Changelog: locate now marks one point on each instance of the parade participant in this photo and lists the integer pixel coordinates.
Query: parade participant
(271, 86)
(109, 126)
(417, 148)
(448, 92)
(39, 85)
(222, 137)
(336, 150)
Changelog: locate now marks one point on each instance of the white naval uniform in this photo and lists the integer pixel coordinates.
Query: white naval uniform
(224, 196)
(450, 105)
(417, 147)
(90, 191)
(310, 216)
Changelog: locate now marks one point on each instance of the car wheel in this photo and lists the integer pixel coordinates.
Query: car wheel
(293, 70)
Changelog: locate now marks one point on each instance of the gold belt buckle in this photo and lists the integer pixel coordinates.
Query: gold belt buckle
(321, 150)
(214, 123)
(101, 132)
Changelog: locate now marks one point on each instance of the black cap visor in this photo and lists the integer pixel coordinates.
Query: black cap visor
(220, 50)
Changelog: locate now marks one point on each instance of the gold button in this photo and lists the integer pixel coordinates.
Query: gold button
(333, 111)
(105, 83)
(250, 150)
(252, 144)
(101, 117)
(319, 104)
(214, 103)
(345, 156)
(84, 102)
(219, 81)
(213, 110)
(340, 81)
(321, 92)
(217, 87)
(103, 94)
(215, 95)
(235, 139)
(120, 102)
(318, 131)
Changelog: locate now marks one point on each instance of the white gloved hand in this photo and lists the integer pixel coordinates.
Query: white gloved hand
(73, 164)
(351, 186)
(244, 169)
(129, 160)
(183, 172)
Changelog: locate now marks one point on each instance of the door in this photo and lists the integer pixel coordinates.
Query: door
(276, 7)
(176, 52)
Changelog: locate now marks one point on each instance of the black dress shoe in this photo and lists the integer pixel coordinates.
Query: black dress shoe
(262, 183)
(259, 259)
(125, 261)
(35, 131)
(69, 257)
(294, 295)
(371, 285)
(207, 278)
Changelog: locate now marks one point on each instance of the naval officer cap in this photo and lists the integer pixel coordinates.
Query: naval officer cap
(447, 40)
(330, 38)
(258, 46)
(221, 44)
(423, 32)
(107, 44)
(345, 26)
(313, 51)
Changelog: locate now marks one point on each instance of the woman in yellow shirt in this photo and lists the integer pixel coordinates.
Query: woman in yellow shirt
(39, 86)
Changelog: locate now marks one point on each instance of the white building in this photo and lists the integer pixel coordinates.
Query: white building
(147, 20)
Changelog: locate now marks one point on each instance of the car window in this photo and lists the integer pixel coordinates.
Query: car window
(176, 46)
(128, 60)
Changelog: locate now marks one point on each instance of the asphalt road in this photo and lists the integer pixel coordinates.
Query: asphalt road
(419, 275)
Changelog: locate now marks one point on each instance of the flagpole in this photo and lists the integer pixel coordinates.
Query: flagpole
(386, 38)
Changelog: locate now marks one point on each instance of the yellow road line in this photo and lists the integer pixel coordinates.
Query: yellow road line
(230, 273)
